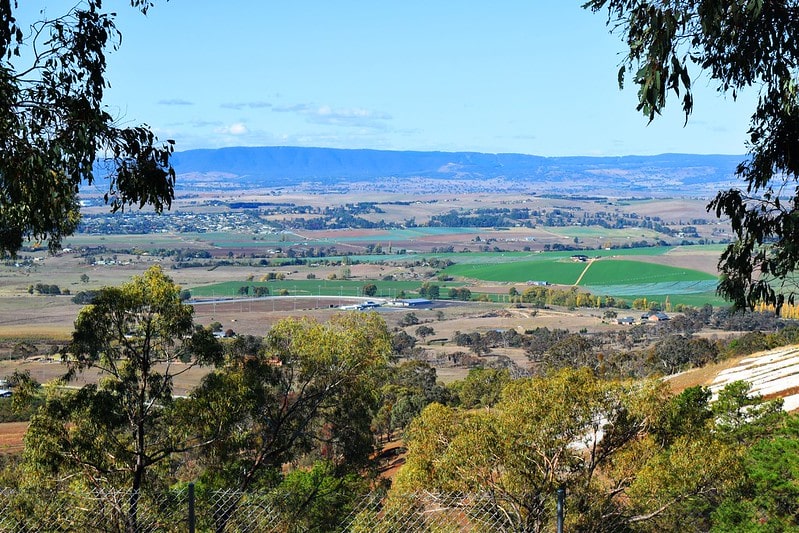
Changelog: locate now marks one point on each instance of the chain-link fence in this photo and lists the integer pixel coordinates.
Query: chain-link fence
(101, 510)
(187, 510)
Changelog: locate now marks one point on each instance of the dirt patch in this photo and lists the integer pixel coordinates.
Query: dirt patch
(699, 376)
(684, 257)
(11, 436)
(792, 391)
(391, 458)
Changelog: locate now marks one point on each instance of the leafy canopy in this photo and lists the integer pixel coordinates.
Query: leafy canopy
(56, 137)
(631, 456)
(309, 388)
(738, 44)
(118, 430)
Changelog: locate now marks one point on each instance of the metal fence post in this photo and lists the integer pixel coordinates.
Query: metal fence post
(192, 517)
(561, 505)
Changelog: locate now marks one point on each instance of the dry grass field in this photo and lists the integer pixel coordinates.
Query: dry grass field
(11, 436)
(46, 322)
(186, 377)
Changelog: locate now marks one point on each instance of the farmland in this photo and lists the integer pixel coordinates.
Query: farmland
(216, 251)
(243, 272)
(247, 267)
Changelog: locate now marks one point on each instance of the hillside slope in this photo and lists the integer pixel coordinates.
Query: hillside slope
(772, 374)
(277, 166)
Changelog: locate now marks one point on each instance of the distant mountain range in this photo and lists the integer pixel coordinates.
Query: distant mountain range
(282, 166)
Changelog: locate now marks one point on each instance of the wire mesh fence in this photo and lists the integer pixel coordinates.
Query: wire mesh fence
(101, 510)
(182, 510)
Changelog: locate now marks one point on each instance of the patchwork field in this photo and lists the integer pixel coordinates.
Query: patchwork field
(652, 273)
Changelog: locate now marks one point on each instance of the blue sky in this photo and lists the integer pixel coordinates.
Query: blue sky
(527, 76)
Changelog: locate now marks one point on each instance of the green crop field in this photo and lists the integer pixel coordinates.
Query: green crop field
(657, 288)
(556, 270)
(622, 278)
(559, 268)
(614, 272)
(316, 287)
(478, 258)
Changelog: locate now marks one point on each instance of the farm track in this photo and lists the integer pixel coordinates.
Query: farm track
(580, 277)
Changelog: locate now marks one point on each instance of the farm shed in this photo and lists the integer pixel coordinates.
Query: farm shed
(412, 302)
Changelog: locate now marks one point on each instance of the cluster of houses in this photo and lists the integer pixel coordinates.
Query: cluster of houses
(658, 316)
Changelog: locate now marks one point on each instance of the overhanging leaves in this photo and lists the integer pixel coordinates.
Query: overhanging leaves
(739, 44)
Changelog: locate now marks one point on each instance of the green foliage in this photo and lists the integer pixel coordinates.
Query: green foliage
(738, 45)
(318, 499)
(460, 293)
(768, 499)
(308, 391)
(482, 387)
(409, 388)
(685, 414)
(84, 297)
(116, 431)
(630, 456)
(742, 417)
(430, 291)
(677, 352)
(11, 413)
(402, 343)
(543, 434)
(56, 131)
(26, 398)
(44, 288)
(370, 289)
(748, 343)
(424, 331)
(409, 319)
(574, 350)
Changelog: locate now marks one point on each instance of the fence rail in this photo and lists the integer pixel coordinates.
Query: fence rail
(229, 511)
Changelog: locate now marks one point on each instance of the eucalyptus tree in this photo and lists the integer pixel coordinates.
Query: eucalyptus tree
(309, 392)
(139, 337)
(630, 455)
(56, 136)
(739, 45)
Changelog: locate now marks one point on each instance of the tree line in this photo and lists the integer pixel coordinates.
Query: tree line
(309, 403)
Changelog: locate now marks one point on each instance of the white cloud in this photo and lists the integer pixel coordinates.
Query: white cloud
(234, 129)
(296, 108)
(175, 102)
(244, 105)
(339, 116)
(348, 117)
